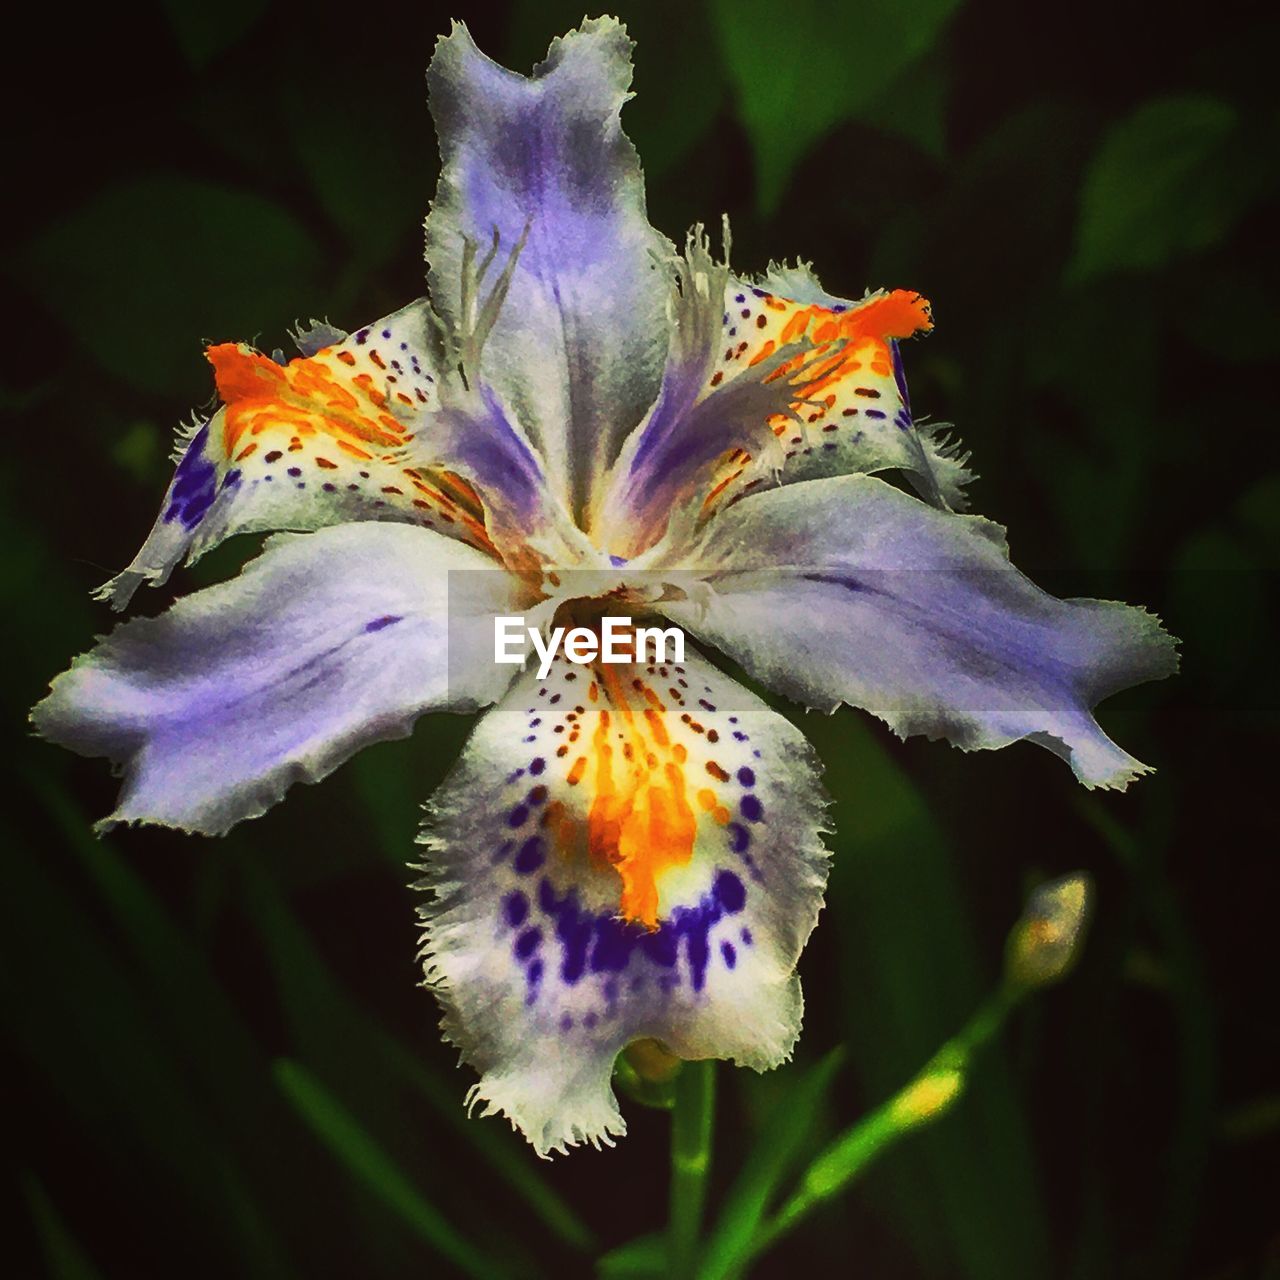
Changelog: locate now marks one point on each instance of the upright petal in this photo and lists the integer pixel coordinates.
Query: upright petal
(695, 420)
(622, 853)
(848, 590)
(318, 441)
(577, 347)
(326, 642)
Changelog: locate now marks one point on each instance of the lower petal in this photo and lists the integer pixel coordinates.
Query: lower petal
(622, 853)
(326, 642)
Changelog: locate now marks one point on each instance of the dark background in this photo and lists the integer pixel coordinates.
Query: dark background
(1087, 192)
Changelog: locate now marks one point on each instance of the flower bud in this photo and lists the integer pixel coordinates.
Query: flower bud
(927, 1098)
(1045, 942)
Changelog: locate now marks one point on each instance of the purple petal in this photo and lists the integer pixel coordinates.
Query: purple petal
(577, 347)
(848, 590)
(326, 642)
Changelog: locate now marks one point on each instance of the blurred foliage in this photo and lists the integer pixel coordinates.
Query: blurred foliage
(220, 1052)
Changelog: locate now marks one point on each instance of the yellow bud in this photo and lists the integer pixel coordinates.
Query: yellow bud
(1047, 939)
(651, 1061)
(928, 1097)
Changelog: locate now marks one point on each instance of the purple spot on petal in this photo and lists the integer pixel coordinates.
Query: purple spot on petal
(515, 908)
(531, 856)
(729, 892)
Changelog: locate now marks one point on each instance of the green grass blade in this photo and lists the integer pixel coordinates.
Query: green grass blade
(64, 1258)
(346, 1138)
(911, 976)
(644, 1258)
(774, 1154)
(76, 1015)
(307, 986)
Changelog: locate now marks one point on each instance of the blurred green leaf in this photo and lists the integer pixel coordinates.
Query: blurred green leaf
(1230, 313)
(140, 453)
(914, 104)
(391, 780)
(326, 1021)
(799, 72)
(204, 263)
(910, 978)
(351, 1144)
(644, 1258)
(1160, 184)
(772, 1157)
(372, 183)
(203, 31)
(76, 1014)
(63, 1256)
(1218, 603)
(1193, 1064)
(1259, 511)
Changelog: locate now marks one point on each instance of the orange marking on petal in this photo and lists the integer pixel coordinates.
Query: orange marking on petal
(899, 314)
(640, 822)
(795, 326)
(657, 727)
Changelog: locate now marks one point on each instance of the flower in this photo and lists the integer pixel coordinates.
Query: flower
(579, 418)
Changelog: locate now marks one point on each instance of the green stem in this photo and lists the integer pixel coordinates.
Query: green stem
(928, 1096)
(692, 1121)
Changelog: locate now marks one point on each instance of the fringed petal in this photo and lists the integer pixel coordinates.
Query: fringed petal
(319, 441)
(848, 590)
(695, 420)
(852, 412)
(761, 389)
(622, 853)
(576, 347)
(326, 642)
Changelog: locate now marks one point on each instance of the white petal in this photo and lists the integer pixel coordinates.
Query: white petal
(574, 797)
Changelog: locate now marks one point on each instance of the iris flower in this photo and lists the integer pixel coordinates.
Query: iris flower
(582, 420)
